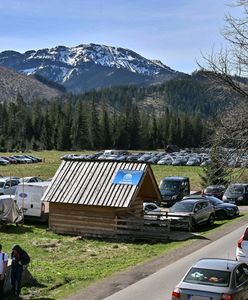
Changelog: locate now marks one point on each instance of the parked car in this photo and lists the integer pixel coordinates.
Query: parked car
(179, 161)
(30, 179)
(9, 159)
(193, 162)
(4, 162)
(151, 211)
(173, 189)
(38, 159)
(19, 159)
(242, 247)
(215, 190)
(8, 185)
(236, 193)
(165, 161)
(214, 278)
(222, 210)
(200, 211)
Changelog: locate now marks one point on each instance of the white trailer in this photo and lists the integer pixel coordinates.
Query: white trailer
(28, 197)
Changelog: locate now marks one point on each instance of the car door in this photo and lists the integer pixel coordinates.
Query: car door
(241, 282)
(198, 213)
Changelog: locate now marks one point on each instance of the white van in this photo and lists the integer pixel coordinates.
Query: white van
(28, 197)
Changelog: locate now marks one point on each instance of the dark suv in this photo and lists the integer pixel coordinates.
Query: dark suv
(173, 189)
(215, 190)
(236, 193)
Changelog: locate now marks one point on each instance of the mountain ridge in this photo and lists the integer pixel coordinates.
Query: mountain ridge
(77, 68)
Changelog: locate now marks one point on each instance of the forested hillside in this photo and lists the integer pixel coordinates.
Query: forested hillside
(128, 117)
(77, 125)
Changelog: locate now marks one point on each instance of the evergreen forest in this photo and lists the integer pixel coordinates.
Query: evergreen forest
(125, 117)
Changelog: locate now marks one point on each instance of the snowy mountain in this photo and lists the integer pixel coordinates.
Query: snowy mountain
(85, 67)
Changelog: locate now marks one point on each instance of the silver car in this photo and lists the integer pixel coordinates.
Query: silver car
(214, 279)
(199, 211)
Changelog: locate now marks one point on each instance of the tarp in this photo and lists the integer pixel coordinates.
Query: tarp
(9, 211)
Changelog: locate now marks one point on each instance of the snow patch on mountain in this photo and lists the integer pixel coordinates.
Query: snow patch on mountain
(101, 55)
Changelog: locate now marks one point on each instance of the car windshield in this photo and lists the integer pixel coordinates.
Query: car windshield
(215, 201)
(170, 185)
(235, 189)
(208, 277)
(184, 206)
(212, 189)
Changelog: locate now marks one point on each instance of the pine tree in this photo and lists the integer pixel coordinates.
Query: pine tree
(96, 140)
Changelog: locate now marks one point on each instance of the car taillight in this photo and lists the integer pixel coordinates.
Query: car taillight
(226, 297)
(240, 242)
(176, 293)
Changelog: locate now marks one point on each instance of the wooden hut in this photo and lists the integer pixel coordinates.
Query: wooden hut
(92, 198)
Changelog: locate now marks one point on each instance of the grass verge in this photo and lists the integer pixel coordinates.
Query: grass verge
(63, 264)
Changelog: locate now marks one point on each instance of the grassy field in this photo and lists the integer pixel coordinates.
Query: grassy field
(63, 264)
(51, 161)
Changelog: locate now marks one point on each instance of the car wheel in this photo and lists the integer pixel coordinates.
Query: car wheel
(222, 215)
(192, 225)
(211, 220)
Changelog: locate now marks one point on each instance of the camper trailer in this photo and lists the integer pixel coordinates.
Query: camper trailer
(28, 197)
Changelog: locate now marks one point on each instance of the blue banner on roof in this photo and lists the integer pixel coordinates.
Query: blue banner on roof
(131, 177)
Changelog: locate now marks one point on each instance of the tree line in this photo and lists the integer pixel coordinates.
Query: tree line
(74, 124)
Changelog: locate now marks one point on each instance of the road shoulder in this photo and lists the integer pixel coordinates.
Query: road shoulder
(119, 281)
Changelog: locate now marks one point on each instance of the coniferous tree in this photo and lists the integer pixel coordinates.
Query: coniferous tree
(106, 130)
(134, 128)
(80, 129)
(96, 140)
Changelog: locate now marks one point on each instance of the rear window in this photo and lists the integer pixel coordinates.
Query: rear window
(208, 277)
(235, 189)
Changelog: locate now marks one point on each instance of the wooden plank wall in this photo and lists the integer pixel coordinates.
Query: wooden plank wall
(104, 222)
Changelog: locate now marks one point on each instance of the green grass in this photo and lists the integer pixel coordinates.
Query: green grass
(63, 264)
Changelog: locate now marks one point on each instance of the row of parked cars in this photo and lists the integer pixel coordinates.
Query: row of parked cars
(180, 158)
(19, 159)
(198, 208)
(177, 158)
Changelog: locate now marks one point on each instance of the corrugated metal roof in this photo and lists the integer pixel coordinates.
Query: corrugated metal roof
(91, 183)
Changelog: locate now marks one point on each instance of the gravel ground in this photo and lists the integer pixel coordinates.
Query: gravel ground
(108, 286)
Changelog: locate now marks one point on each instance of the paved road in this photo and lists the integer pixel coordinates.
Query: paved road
(158, 286)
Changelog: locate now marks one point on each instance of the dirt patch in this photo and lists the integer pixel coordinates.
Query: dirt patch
(119, 281)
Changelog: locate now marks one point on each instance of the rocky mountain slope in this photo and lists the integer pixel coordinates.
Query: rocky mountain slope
(12, 83)
(88, 66)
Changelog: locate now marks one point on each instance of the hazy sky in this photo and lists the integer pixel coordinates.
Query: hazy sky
(173, 31)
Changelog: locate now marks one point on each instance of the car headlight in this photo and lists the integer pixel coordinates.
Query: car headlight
(224, 197)
(240, 198)
(229, 208)
(174, 197)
